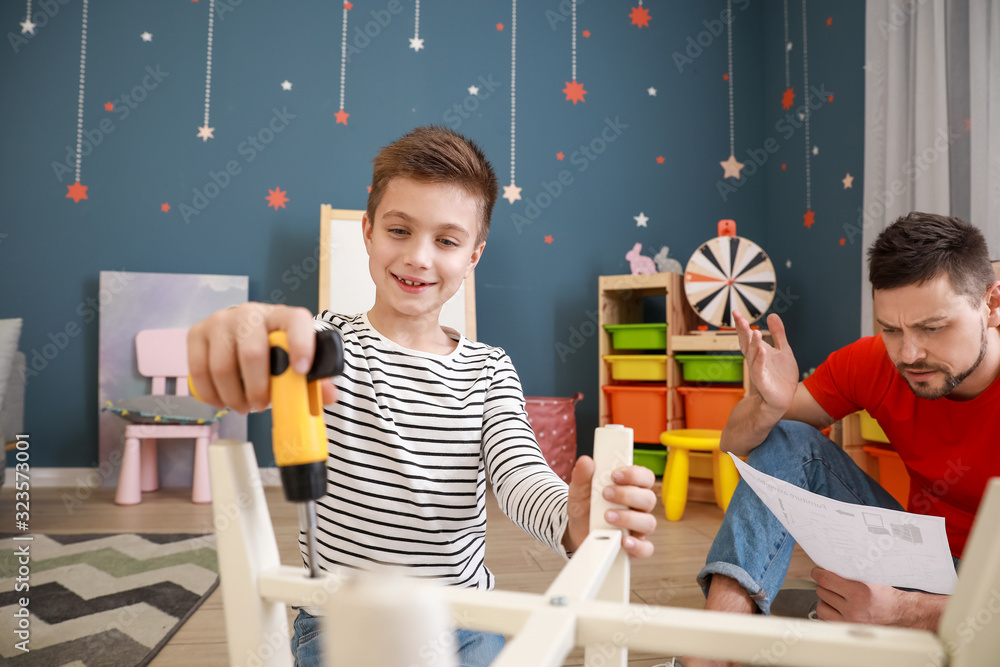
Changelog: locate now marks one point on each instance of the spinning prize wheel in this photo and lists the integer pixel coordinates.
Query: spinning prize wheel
(729, 273)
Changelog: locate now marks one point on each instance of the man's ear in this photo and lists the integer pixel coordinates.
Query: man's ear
(993, 304)
(476, 255)
(366, 233)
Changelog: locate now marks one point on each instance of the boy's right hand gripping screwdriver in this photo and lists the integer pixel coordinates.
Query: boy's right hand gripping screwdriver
(298, 433)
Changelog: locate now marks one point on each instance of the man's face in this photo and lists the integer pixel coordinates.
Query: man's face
(422, 245)
(935, 337)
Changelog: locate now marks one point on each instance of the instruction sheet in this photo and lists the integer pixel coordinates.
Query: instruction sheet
(869, 544)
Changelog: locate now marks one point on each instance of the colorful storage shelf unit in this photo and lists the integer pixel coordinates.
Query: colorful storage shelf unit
(638, 336)
(711, 367)
(641, 367)
(641, 408)
(709, 407)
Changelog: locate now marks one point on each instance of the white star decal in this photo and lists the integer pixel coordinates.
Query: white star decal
(147, 36)
(511, 193)
(788, 263)
(473, 90)
(848, 181)
(640, 220)
(286, 85)
(815, 150)
(205, 133)
(788, 47)
(27, 27)
(651, 91)
(416, 43)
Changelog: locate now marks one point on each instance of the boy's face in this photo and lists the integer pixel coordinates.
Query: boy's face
(421, 245)
(935, 337)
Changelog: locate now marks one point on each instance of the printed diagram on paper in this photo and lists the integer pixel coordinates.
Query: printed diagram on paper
(869, 544)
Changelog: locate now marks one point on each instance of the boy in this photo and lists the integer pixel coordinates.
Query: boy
(424, 414)
(931, 378)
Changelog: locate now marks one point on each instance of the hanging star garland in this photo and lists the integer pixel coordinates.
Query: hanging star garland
(415, 42)
(574, 90)
(27, 27)
(810, 217)
(342, 115)
(77, 191)
(206, 132)
(731, 167)
(511, 192)
(640, 16)
(788, 97)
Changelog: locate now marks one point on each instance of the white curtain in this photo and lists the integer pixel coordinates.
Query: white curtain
(932, 117)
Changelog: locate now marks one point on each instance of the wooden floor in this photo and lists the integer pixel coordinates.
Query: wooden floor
(520, 563)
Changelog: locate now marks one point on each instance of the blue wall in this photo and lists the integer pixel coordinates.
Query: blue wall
(532, 296)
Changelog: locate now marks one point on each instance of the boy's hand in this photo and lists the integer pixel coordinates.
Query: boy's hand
(631, 488)
(229, 355)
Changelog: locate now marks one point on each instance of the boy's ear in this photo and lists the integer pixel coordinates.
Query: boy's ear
(366, 233)
(476, 255)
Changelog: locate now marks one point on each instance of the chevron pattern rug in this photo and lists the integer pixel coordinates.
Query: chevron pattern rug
(111, 600)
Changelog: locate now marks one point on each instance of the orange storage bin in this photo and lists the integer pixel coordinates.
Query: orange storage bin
(642, 409)
(892, 473)
(709, 407)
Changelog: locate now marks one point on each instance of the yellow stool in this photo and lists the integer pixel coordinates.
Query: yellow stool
(679, 445)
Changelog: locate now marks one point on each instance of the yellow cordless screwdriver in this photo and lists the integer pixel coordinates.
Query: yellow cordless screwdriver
(298, 434)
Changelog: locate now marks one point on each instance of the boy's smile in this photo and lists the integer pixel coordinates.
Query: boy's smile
(421, 246)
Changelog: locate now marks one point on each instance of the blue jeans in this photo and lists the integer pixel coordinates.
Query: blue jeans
(752, 546)
(475, 649)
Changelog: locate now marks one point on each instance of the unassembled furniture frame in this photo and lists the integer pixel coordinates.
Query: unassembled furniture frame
(385, 621)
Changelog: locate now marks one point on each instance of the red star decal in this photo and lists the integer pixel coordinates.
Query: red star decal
(165, 207)
(341, 117)
(548, 239)
(829, 21)
(586, 33)
(640, 17)
(499, 26)
(574, 91)
(725, 77)
(843, 241)
(784, 166)
(108, 106)
(76, 192)
(829, 99)
(788, 98)
(560, 155)
(277, 198)
(660, 159)
(348, 6)
(809, 219)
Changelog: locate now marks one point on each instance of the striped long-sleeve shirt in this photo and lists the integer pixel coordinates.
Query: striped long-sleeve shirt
(412, 439)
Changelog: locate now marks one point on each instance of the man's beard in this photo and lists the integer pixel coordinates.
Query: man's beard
(950, 381)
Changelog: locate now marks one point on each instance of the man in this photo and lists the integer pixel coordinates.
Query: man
(930, 378)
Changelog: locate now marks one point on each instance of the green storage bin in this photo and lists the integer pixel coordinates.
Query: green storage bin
(711, 367)
(654, 459)
(638, 336)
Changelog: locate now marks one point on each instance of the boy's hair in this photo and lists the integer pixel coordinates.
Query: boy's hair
(434, 154)
(921, 246)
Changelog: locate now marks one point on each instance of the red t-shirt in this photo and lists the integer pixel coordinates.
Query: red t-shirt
(949, 447)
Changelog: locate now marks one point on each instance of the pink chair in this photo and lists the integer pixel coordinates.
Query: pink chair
(162, 354)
